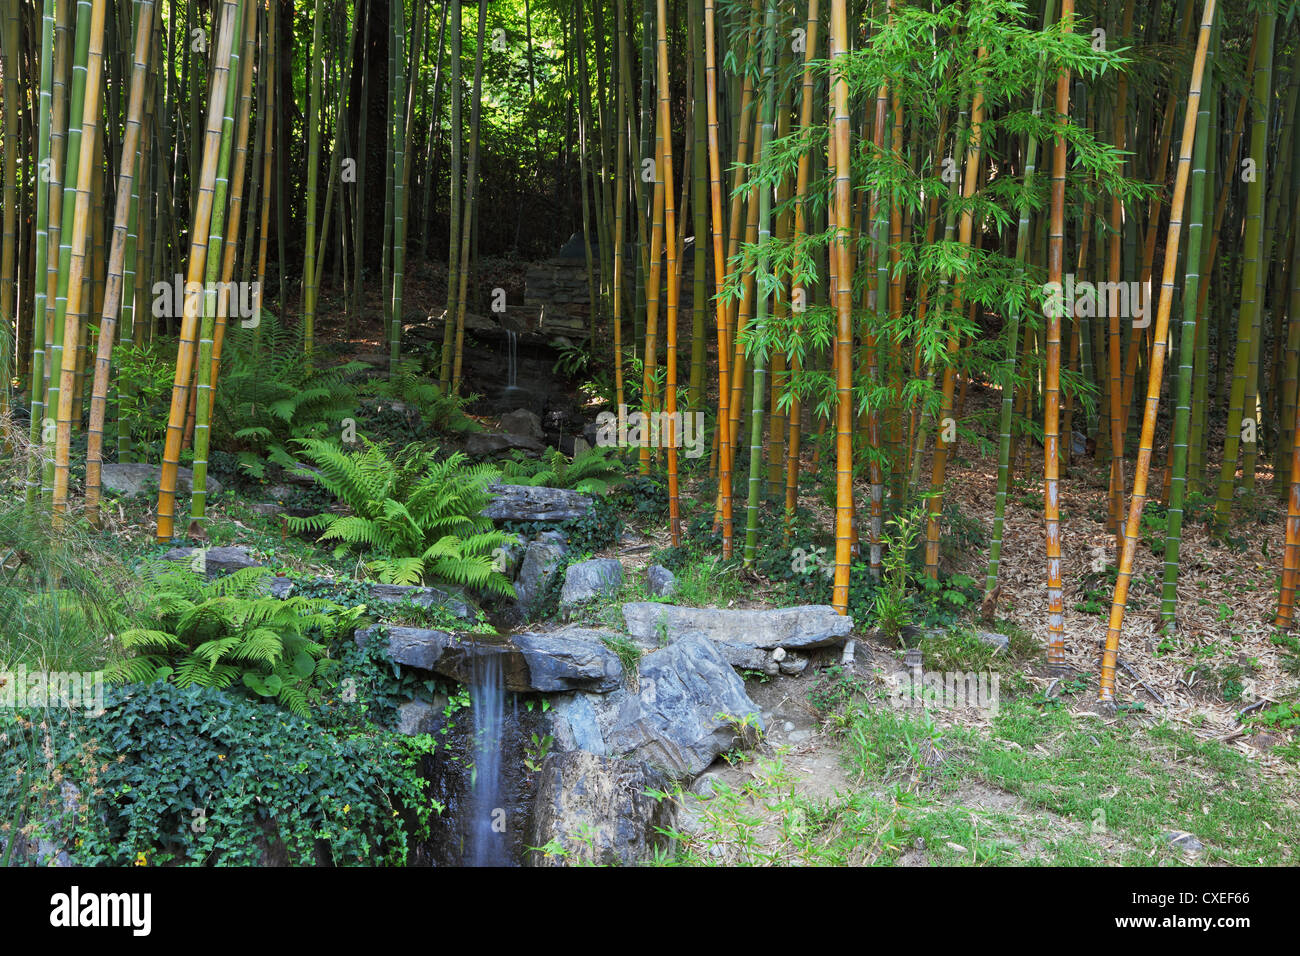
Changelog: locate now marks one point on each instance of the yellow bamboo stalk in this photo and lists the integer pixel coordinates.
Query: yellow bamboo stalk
(1110, 653)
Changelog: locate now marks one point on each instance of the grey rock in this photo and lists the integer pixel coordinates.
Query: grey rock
(522, 422)
(674, 721)
(417, 717)
(214, 560)
(280, 587)
(660, 581)
(480, 444)
(788, 727)
(268, 508)
(574, 723)
(1184, 841)
(552, 537)
(453, 599)
(529, 503)
(588, 580)
(743, 657)
(705, 786)
(807, 626)
(536, 572)
(411, 646)
(571, 659)
(598, 810)
(793, 666)
(130, 478)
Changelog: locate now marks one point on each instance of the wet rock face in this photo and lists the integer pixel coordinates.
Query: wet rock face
(591, 809)
(540, 566)
(450, 772)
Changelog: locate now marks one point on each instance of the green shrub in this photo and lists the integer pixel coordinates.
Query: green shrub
(192, 776)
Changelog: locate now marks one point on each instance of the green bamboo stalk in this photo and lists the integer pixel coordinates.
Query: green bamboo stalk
(758, 345)
(1247, 357)
(1186, 355)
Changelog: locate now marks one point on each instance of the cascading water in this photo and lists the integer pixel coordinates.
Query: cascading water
(487, 706)
(512, 394)
(512, 358)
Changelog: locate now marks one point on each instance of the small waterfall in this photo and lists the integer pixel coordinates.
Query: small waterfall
(512, 359)
(488, 843)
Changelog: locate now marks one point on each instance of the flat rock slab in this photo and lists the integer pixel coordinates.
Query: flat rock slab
(807, 626)
(214, 561)
(131, 478)
(529, 503)
(411, 646)
(555, 661)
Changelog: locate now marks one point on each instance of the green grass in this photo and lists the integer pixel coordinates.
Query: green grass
(1041, 786)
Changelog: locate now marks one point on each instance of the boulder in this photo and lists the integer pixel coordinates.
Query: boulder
(214, 561)
(129, 478)
(807, 626)
(596, 810)
(417, 717)
(588, 580)
(529, 503)
(522, 422)
(536, 572)
(279, 586)
(686, 710)
(481, 444)
(660, 581)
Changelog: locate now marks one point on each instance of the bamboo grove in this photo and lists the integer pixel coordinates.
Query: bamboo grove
(1089, 207)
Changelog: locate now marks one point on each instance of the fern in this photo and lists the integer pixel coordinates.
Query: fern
(217, 633)
(269, 395)
(407, 384)
(592, 471)
(419, 519)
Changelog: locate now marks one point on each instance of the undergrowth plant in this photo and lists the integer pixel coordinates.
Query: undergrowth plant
(417, 519)
(593, 471)
(232, 631)
(409, 385)
(268, 396)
